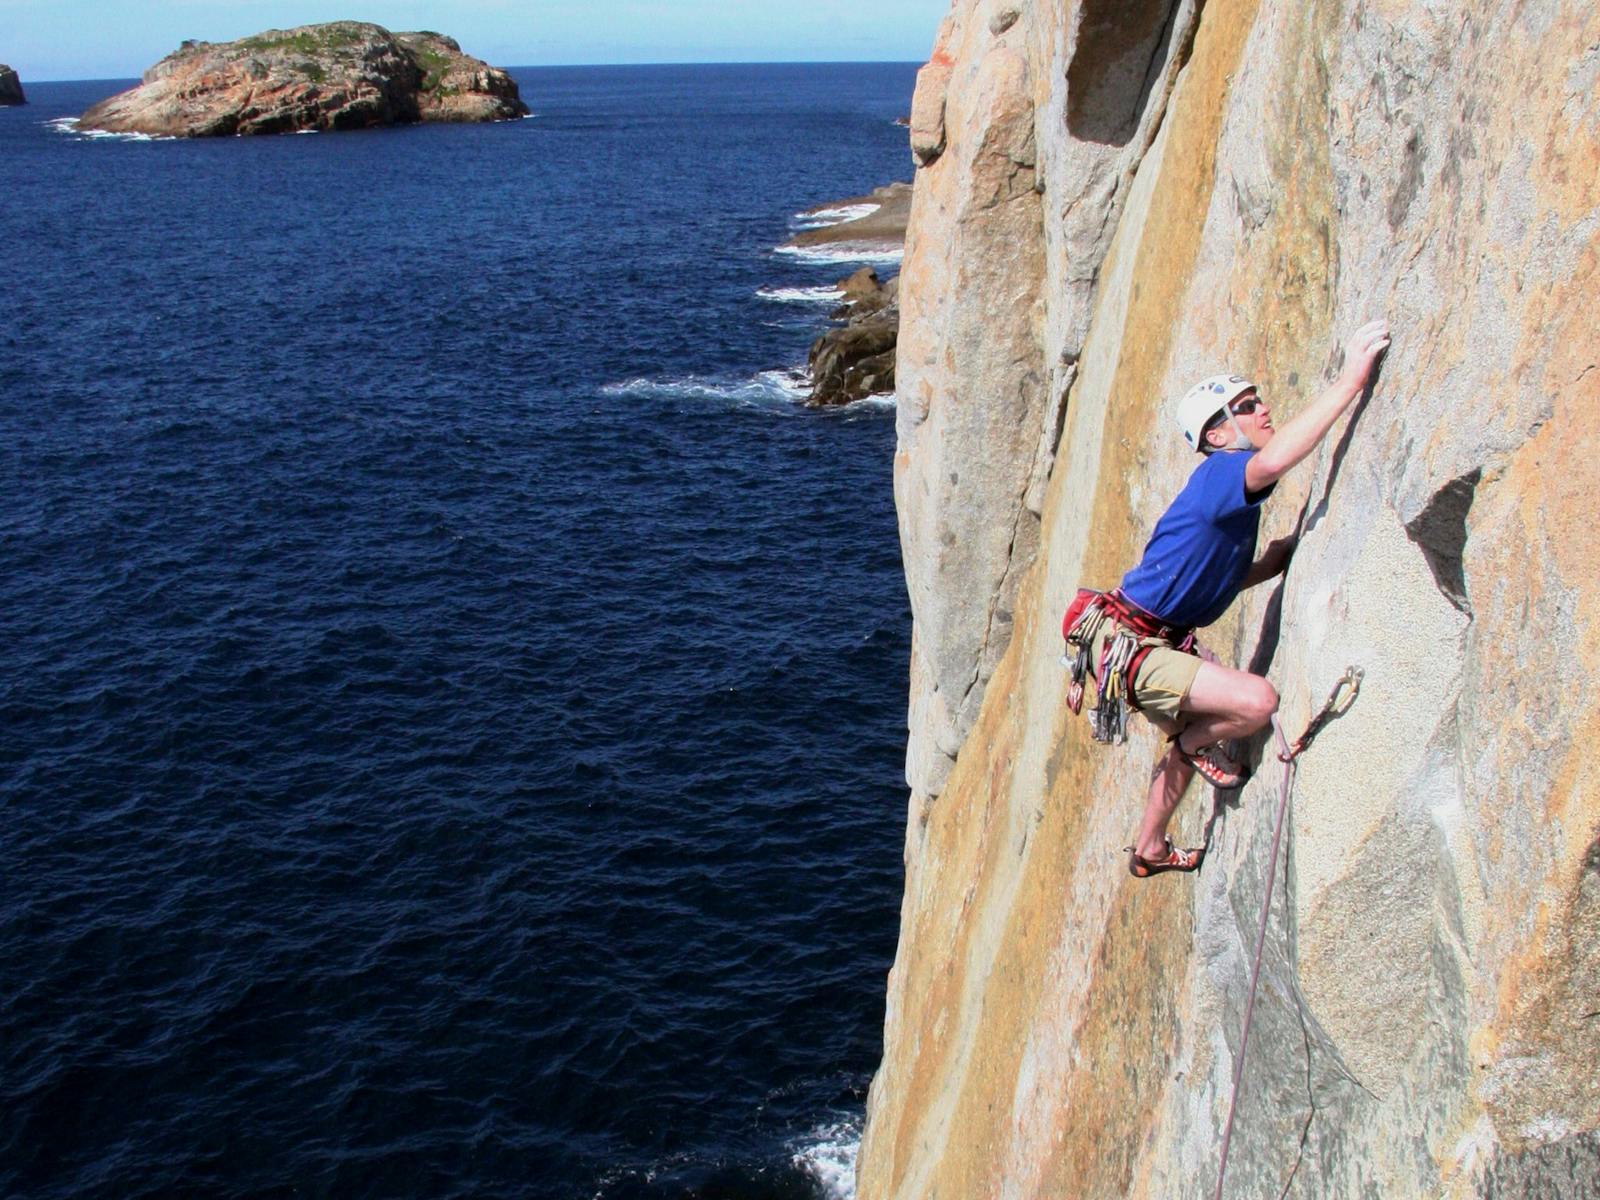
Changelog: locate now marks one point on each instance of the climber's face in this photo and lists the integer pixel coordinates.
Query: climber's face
(1254, 417)
(1250, 413)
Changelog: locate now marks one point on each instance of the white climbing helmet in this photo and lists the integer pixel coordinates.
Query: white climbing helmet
(1204, 401)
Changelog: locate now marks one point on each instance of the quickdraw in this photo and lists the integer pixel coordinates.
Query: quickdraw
(1339, 702)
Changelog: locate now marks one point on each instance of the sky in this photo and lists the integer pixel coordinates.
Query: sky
(117, 39)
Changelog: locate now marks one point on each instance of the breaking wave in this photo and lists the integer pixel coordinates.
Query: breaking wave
(767, 388)
(801, 295)
(821, 218)
(70, 125)
(843, 252)
(876, 400)
(827, 1155)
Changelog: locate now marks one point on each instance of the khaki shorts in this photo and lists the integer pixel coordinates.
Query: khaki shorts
(1164, 679)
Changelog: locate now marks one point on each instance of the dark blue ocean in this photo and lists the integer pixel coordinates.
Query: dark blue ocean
(453, 698)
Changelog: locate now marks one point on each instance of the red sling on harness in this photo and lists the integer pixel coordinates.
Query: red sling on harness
(1125, 612)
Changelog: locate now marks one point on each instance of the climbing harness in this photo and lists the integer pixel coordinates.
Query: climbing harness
(1339, 702)
(1138, 632)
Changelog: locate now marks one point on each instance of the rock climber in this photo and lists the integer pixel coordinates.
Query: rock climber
(1138, 641)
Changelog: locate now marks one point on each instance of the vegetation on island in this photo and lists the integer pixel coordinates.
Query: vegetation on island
(316, 39)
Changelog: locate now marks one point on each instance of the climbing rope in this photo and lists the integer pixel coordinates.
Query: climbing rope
(1339, 702)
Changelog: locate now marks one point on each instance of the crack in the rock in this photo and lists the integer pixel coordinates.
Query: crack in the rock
(1049, 451)
(1111, 210)
(1147, 84)
(1311, 1097)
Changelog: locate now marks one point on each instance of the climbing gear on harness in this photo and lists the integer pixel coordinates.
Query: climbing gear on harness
(1138, 632)
(1335, 707)
(1204, 401)
(1211, 763)
(1141, 867)
(1076, 659)
(1109, 718)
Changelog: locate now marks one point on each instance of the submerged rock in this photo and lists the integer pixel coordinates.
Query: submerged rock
(10, 87)
(342, 75)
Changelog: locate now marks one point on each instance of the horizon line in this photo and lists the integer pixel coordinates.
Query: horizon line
(707, 62)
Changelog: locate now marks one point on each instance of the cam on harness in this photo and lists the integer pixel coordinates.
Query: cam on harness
(1138, 632)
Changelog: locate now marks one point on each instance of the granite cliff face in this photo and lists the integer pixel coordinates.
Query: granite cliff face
(342, 75)
(10, 87)
(1113, 200)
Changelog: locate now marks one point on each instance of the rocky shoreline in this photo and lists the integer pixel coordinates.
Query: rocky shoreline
(10, 87)
(857, 359)
(335, 76)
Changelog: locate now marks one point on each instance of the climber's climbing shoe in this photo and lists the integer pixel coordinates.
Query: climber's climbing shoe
(1174, 860)
(1213, 764)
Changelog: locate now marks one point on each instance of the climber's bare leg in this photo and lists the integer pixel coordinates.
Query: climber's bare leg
(1168, 781)
(1227, 704)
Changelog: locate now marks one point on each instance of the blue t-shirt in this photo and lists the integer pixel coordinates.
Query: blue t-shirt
(1203, 545)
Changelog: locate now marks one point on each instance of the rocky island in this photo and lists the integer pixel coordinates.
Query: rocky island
(341, 75)
(10, 87)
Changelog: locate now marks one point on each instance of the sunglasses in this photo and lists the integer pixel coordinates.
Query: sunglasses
(1243, 408)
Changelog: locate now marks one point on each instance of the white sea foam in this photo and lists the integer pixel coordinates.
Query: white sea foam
(828, 1155)
(821, 218)
(843, 252)
(780, 392)
(791, 384)
(70, 125)
(876, 400)
(801, 295)
(106, 135)
(767, 389)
